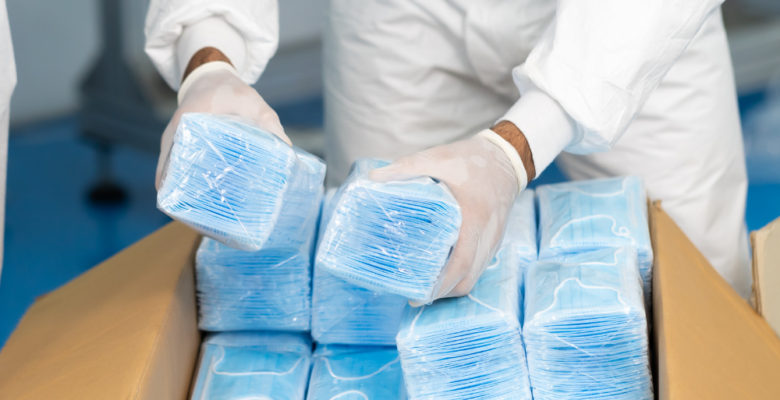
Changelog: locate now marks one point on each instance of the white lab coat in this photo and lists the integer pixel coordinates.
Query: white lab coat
(576, 75)
(7, 84)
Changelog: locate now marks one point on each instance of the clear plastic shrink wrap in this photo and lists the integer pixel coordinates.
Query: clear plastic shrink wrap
(468, 347)
(390, 237)
(595, 214)
(262, 290)
(253, 365)
(239, 184)
(520, 234)
(520, 237)
(585, 329)
(356, 372)
(347, 314)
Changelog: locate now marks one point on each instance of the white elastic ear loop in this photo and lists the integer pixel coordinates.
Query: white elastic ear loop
(514, 157)
(203, 70)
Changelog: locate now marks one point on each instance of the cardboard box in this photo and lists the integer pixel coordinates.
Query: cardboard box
(127, 328)
(766, 273)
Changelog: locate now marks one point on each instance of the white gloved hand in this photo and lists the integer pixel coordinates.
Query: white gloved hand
(215, 88)
(485, 174)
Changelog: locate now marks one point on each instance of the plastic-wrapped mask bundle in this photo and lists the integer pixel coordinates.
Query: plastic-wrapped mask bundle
(239, 184)
(520, 237)
(468, 347)
(356, 372)
(390, 237)
(253, 365)
(347, 314)
(585, 329)
(588, 215)
(263, 290)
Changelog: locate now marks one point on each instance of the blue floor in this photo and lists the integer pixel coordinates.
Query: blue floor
(53, 234)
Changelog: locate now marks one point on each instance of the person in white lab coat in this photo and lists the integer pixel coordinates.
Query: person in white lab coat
(608, 87)
(7, 85)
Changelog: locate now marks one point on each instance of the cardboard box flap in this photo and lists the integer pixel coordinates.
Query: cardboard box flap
(125, 329)
(709, 343)
(766, 273)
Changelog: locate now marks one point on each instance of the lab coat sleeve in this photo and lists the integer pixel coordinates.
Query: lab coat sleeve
(247, 31)
(594, 68)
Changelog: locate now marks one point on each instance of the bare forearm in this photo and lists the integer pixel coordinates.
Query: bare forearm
(515, 137)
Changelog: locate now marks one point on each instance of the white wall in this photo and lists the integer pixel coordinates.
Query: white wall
(56, 41)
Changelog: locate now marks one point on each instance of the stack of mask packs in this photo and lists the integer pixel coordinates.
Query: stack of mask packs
(239, 184)
(588, 215)
(390, 237)
(585, 329)
(258, 198)
(343, 313)
(262, 290)
(356, 372)
(253, 365)
(470, 347)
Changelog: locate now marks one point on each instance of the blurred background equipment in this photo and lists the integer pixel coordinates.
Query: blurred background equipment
(57, 113)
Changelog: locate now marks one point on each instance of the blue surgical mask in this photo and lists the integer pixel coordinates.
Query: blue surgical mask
(468, 347)
(390, 238)
(356, 372)
(595, 214)
(262, 290)
(253, 365)
(241, 185)
(585, 329)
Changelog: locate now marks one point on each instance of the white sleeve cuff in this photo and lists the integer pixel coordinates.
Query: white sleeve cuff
(214, 32)
(546, 126)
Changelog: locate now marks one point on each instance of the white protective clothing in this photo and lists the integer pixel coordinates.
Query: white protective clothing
(404, 76)
(256, 21)
(216, 88)
(7, 85)
(484, 181)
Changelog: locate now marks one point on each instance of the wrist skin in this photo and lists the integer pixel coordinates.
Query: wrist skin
(512, 134)
(203, 56)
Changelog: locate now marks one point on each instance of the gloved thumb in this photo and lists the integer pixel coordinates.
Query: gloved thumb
(397, 171)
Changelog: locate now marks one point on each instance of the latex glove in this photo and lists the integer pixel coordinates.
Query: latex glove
(484, 180)
(215, 88)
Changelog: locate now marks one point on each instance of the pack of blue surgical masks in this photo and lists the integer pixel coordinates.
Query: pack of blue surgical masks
(262, 290)
(468, 347)
(585, 329)
(520, 233)
(253, 365)
(343, 313)
(390, 237)
(520, 237)
(356, 372)
(587, 215)
(239, 184)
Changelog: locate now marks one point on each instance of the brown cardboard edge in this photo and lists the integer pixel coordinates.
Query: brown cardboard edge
(170, 366)
(755, 293)
(658, 342)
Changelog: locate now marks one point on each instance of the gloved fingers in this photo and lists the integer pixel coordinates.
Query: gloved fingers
(416, 304)
(405, 168)
(166, 142)
(223, 93)
(461, 260)
(269, 120)
(487, 233)
(481, 259)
